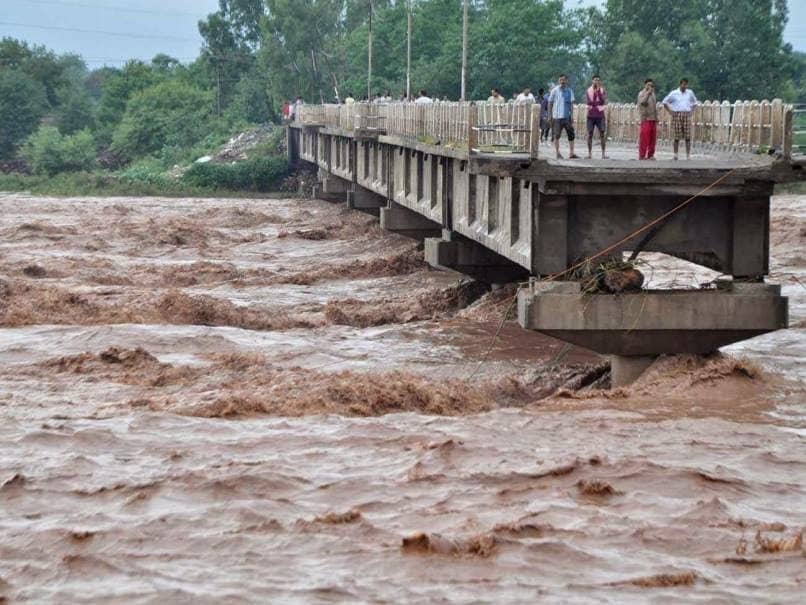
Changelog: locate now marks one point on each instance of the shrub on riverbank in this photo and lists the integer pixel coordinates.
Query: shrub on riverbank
(49, 152)
(256, 174)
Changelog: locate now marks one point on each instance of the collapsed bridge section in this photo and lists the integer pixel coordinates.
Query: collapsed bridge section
(475, 187)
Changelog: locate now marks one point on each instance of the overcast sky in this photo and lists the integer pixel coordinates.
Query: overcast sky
(149, 27)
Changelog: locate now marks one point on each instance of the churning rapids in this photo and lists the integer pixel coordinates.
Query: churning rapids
(249, 401)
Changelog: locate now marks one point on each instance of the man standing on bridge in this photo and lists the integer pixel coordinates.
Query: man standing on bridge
(561, 110)
(648, 110)
(596, 97)
(423, 99)
(680, 103)
(496, 97)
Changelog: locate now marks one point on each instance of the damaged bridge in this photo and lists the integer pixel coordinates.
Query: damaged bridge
(474, 182)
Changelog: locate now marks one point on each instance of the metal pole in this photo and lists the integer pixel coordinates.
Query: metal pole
(464, 52)
(408, 51)
(369, 56)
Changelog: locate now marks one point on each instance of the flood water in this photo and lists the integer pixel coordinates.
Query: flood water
(250, 401)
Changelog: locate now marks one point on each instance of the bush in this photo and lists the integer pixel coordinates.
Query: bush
(147, 171)
(49, 152)
(169, 114)
(257, 174)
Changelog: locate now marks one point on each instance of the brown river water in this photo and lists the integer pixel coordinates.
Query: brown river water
(250, 401)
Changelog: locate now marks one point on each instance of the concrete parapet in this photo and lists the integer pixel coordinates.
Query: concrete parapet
(654, 322)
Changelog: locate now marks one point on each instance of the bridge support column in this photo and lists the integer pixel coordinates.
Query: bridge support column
(455, 252)
(292, 145)
(637, 327)
(366, 200)
(625, 370)
(399, 219)
(332, 188)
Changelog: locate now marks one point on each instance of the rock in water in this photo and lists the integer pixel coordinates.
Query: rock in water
(622, 280)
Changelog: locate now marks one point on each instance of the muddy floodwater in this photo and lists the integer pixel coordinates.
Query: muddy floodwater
(251, 401)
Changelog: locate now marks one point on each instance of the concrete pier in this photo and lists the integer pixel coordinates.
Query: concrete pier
(399, 219)
(456, 252)
(626, 370)
(366, 200)
(637, 327)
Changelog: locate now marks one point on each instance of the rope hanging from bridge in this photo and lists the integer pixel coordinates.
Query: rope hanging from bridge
(605, 251)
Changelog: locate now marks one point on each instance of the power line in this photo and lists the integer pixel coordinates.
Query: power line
(98, 31)
(110, 8)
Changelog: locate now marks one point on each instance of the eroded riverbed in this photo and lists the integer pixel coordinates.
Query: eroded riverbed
(231, 401)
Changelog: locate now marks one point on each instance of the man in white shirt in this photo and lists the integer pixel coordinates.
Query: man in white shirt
(525, 96)
(424, 99)
(349, 99)
(681, 103)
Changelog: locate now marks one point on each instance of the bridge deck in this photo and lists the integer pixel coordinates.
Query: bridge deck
(621, 154)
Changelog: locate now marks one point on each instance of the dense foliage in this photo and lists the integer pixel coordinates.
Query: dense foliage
(728, 49)
(50, 152)
(256, 174)
(259, 53)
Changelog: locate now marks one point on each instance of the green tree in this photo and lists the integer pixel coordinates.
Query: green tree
(168, 114)
(23, 103)
(549, 36)
(231, 36)
(118, 88)
(75, 110)
(251, 102)
(729, 49)
(39, 64)
(164, 64)
(49, 152)
(302, 47)
(633, 54)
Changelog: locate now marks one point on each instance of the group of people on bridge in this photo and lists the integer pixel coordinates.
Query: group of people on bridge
(557, 113)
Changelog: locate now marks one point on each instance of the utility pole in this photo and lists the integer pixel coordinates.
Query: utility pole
(369, 56)
(464, 52)
(408, 51)
(218, 89)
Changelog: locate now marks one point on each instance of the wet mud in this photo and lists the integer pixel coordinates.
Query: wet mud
(229, 401)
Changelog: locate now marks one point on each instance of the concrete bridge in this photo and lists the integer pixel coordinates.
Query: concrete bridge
(471, 181)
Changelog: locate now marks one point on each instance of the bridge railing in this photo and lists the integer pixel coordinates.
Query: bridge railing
(743, 126)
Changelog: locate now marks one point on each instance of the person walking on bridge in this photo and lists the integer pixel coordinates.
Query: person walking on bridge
(561, 110)
(596, 98)
(423, 99)
(496, 97)
(545, 122)
(525, 97)
(681, 103)
(648, 111)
